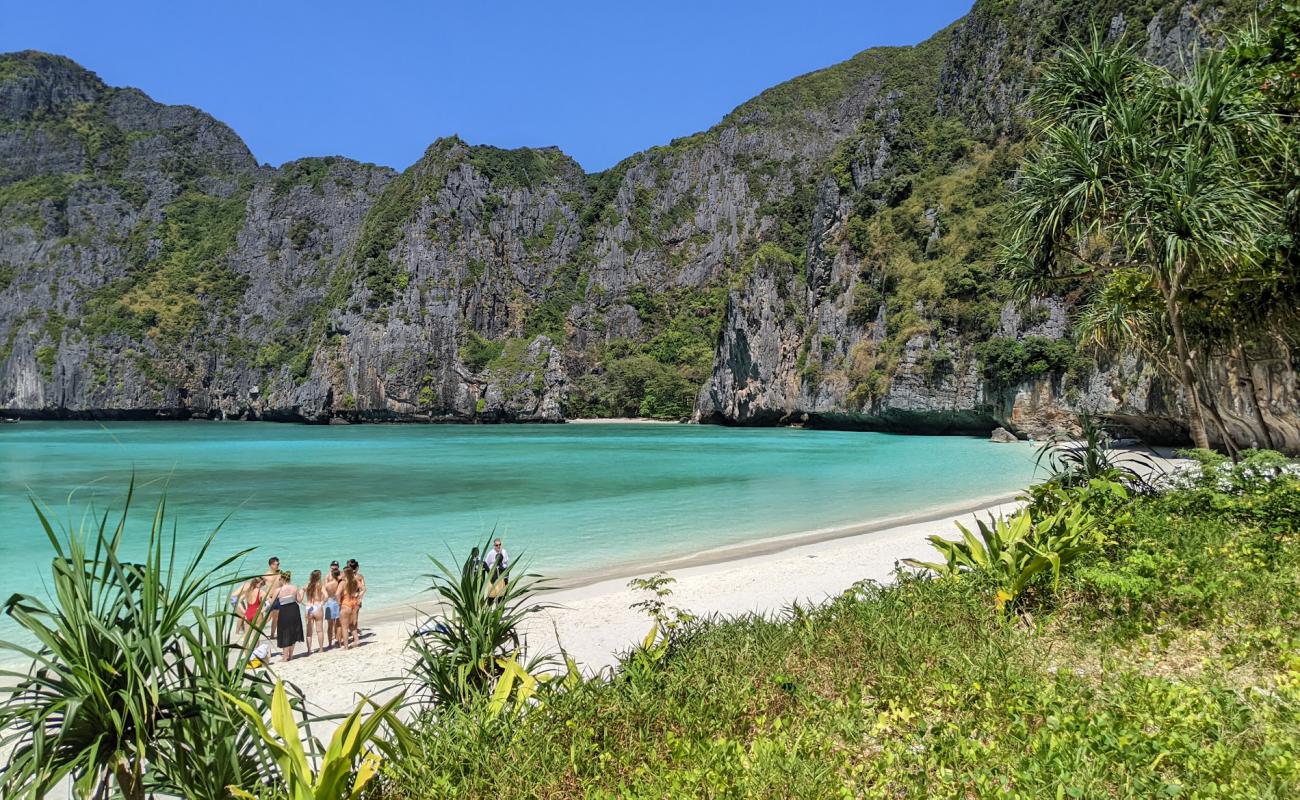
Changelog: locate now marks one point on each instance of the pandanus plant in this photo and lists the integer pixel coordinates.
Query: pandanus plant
(472, 642)
(1155, 191)
(131, 663)
(1073, 462)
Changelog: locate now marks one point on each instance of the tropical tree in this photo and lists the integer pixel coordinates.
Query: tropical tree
(129, 669)
(1150, 190)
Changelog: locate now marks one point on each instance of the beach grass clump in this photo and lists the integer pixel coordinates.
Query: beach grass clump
(1165, 663)
(470, 646)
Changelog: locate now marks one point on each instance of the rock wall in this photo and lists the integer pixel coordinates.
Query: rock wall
(822, 256)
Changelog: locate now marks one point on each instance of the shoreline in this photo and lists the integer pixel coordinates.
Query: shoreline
(625, 421)
(590, 618)
(728, 554)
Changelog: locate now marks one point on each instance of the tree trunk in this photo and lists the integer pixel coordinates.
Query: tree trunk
(129, 780)
(1224, 434)
(1252, 389)
(1186, 370)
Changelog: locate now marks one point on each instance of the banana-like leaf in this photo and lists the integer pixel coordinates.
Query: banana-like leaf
(650, 638)
(501, 693)
(1015, 551)
(349, 743)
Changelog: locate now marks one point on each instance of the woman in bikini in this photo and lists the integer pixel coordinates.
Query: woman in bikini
(349, 604)
(315, 597)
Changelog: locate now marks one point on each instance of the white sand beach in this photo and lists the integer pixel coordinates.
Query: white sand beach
(594, 622)
(620, 421)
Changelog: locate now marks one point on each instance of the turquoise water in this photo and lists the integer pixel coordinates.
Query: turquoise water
(573, 498)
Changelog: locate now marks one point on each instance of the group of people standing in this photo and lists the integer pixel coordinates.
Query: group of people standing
(329, 605)
(495, 564)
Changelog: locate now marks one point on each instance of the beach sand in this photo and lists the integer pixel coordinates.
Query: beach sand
(594, 622)
(620, 421)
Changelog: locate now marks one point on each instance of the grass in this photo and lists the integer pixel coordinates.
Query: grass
(1167, 665)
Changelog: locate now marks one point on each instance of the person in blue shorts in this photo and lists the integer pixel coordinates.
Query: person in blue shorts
(332, 582)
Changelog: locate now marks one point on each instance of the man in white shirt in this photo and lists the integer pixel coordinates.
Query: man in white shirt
(490, 558)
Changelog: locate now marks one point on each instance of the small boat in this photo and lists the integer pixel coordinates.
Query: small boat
(11, 420)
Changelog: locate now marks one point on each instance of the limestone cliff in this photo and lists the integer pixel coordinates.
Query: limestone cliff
(824, 256)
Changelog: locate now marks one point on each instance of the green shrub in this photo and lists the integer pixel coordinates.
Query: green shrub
(1196, 562)
(46, 358)
(477, 351)
(1008, 362)
(1013, 553)
(524, 166)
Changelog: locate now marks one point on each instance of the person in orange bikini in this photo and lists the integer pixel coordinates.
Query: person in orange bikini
(361, 581)
(349, 605)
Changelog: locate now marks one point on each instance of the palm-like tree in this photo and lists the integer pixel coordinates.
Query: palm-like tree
(1136, 170)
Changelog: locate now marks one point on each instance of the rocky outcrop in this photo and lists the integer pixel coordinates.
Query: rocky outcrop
(755, 378)
(1259, 405)
(1002, 436)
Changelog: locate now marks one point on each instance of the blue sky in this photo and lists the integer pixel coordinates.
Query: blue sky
(380, 81)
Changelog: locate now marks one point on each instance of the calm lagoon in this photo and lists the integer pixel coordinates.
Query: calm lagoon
(571, 498)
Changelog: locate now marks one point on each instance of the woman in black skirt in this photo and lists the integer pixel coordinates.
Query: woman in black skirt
(290, 631)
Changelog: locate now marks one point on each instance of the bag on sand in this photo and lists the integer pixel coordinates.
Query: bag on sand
(498, 589)
(261, 655)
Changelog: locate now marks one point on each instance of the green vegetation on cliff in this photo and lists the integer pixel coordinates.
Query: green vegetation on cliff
(384, 226)
(1008, 362)
(524, 167)
(660, 374)
(188, 284)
